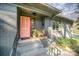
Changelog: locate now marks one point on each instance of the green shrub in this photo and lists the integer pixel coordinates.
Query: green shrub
(76, 49)
(63, 41)
(34, 32)
(72, 43)
(68, 42)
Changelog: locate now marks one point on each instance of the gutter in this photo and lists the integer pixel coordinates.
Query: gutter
(64, 19)
(51, 7)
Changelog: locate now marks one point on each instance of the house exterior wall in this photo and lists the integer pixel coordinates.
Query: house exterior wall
(8, 26)
(38, 25)
(48, 23)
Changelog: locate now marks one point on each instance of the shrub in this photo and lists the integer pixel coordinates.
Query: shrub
(34, 33)
(76, 49)
(63, 41)
(72, 43)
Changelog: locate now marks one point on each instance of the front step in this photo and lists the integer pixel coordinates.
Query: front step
(36, 52)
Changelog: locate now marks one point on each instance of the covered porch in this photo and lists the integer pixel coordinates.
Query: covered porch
(44, 23)
(39, 19)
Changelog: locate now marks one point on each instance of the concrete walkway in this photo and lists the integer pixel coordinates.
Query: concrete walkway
(31, 48)
(40, 48)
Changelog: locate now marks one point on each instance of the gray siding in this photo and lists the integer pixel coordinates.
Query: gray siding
(7, 27)
(38, 25)
(48, 23)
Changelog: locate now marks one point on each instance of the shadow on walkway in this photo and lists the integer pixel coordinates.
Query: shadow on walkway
(44, 42)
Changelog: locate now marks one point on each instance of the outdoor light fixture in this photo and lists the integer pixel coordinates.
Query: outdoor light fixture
(34, 13)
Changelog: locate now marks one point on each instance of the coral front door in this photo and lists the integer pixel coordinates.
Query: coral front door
(24, 27)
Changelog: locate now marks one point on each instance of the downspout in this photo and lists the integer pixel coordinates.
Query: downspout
(64, 30)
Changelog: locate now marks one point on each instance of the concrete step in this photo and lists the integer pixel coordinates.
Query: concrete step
(36, 52)
(27, 48)
(29, 43)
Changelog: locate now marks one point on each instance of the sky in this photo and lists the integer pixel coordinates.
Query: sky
(69, 10)
(65, 6)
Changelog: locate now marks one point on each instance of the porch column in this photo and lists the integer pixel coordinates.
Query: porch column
(63, 29)
(48, 26)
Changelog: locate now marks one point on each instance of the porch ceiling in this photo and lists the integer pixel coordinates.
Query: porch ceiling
(40, 8)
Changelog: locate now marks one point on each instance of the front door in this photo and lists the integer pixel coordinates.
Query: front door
(24, 27)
